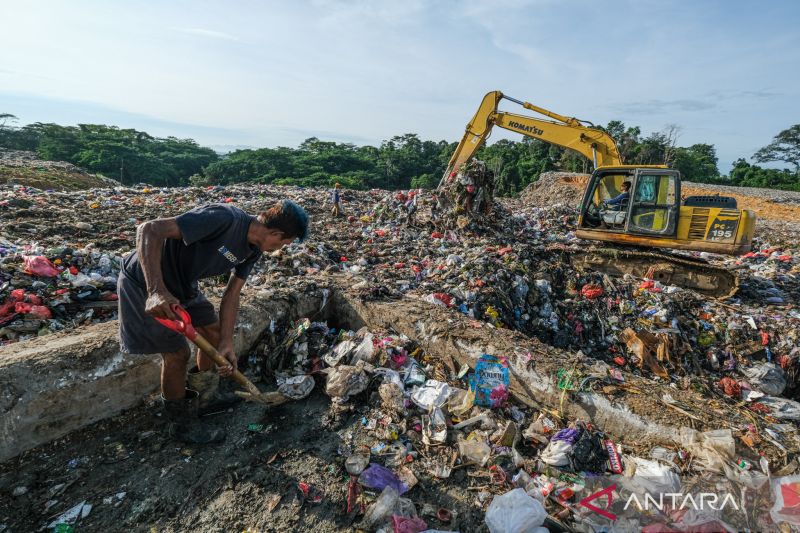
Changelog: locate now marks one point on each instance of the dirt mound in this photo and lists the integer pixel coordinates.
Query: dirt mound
(25, 168)
(765, 203)
(555, 188)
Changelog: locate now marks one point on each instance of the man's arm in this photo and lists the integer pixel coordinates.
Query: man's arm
(228, 309)
(150, 238)
(618, 199)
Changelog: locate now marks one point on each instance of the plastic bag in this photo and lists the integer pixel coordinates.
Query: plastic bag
(434, 427)
(785, 494)
(345, 381)
(381, 510)
(768, 378)
(782, 408)
(460, 401)
(490, 381)
(588, 454)
(356, 463)
(650, 477)
(365, 351)
(402, 524)
(39, 265)
(474, 451)
(379, 477)
(38, 311)
(711, 448)
(432, 394)
(515, 512)
(556, 453)
(340, 353)
(296, 387)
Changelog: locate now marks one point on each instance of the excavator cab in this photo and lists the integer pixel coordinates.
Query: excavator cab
(650, 207)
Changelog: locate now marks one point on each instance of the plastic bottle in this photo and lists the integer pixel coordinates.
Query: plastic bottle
(382, 509)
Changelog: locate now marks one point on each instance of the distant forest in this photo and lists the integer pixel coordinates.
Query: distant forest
(402, 162)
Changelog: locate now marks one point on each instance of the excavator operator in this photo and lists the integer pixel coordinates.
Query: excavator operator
(619, 202)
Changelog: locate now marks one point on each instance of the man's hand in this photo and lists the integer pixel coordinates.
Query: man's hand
(225, 349)
(159, 305)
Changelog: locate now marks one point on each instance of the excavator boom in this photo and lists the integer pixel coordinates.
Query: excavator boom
(564, 131)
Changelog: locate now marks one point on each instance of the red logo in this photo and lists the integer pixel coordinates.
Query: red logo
(600, 493)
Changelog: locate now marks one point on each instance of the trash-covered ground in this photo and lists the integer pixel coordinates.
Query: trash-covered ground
(26, 168)
(445, 444)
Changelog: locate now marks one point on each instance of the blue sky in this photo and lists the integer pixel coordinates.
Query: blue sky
(274, 73)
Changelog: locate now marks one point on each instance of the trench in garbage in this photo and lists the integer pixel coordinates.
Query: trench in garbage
(134, 476)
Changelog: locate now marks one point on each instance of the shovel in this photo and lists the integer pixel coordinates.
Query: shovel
(185, 328)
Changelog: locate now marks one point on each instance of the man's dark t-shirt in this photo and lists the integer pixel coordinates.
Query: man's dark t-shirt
(214, 242)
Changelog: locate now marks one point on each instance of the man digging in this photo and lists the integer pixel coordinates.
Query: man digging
(171, 255)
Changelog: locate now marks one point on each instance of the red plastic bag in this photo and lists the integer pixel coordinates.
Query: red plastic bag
(7, 308)
(39, 265)
(39, 311)
(731, 387)
(590, 292)
(445, 298)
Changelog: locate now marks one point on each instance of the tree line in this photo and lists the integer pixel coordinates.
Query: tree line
(402, 162)
(127, 155)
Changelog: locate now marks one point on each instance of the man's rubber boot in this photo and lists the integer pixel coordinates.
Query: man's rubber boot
(206, 383)
(184, 424)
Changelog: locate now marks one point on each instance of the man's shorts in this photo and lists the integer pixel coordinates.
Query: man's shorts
(142, 334)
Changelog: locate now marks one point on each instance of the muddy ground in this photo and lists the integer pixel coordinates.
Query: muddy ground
(149, 483)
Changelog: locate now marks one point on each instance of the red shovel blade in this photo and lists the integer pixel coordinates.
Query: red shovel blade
(183, 325)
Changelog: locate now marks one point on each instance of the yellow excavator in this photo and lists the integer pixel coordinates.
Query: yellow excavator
(633, 205)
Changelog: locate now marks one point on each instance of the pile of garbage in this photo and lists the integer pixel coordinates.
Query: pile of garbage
(60, 254)
(527, 469)
(467, 196)
(47, 290)
(498, 263)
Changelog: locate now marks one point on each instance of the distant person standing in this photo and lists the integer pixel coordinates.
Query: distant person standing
(435, 207)
(411, 207)
(336, 199)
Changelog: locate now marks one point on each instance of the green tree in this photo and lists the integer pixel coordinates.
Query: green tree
(744, 174)
(785, 147)
(697, 163)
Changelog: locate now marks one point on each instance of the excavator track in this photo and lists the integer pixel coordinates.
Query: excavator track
(685, 272)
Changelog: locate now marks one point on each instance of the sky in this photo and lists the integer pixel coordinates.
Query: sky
(267, 73)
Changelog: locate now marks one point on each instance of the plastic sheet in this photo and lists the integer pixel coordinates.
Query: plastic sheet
(515, 512)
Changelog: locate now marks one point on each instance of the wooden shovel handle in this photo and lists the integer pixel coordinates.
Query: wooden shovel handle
(212, 352)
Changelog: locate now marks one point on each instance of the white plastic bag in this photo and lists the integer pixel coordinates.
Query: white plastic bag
(556, 453)
(296, 387)
(768, 378)
(710, 448)
(650, 477)
(782, 408)
(431, 395)
(515, 512)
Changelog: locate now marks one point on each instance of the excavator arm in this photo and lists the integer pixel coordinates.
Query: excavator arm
(568, 132)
